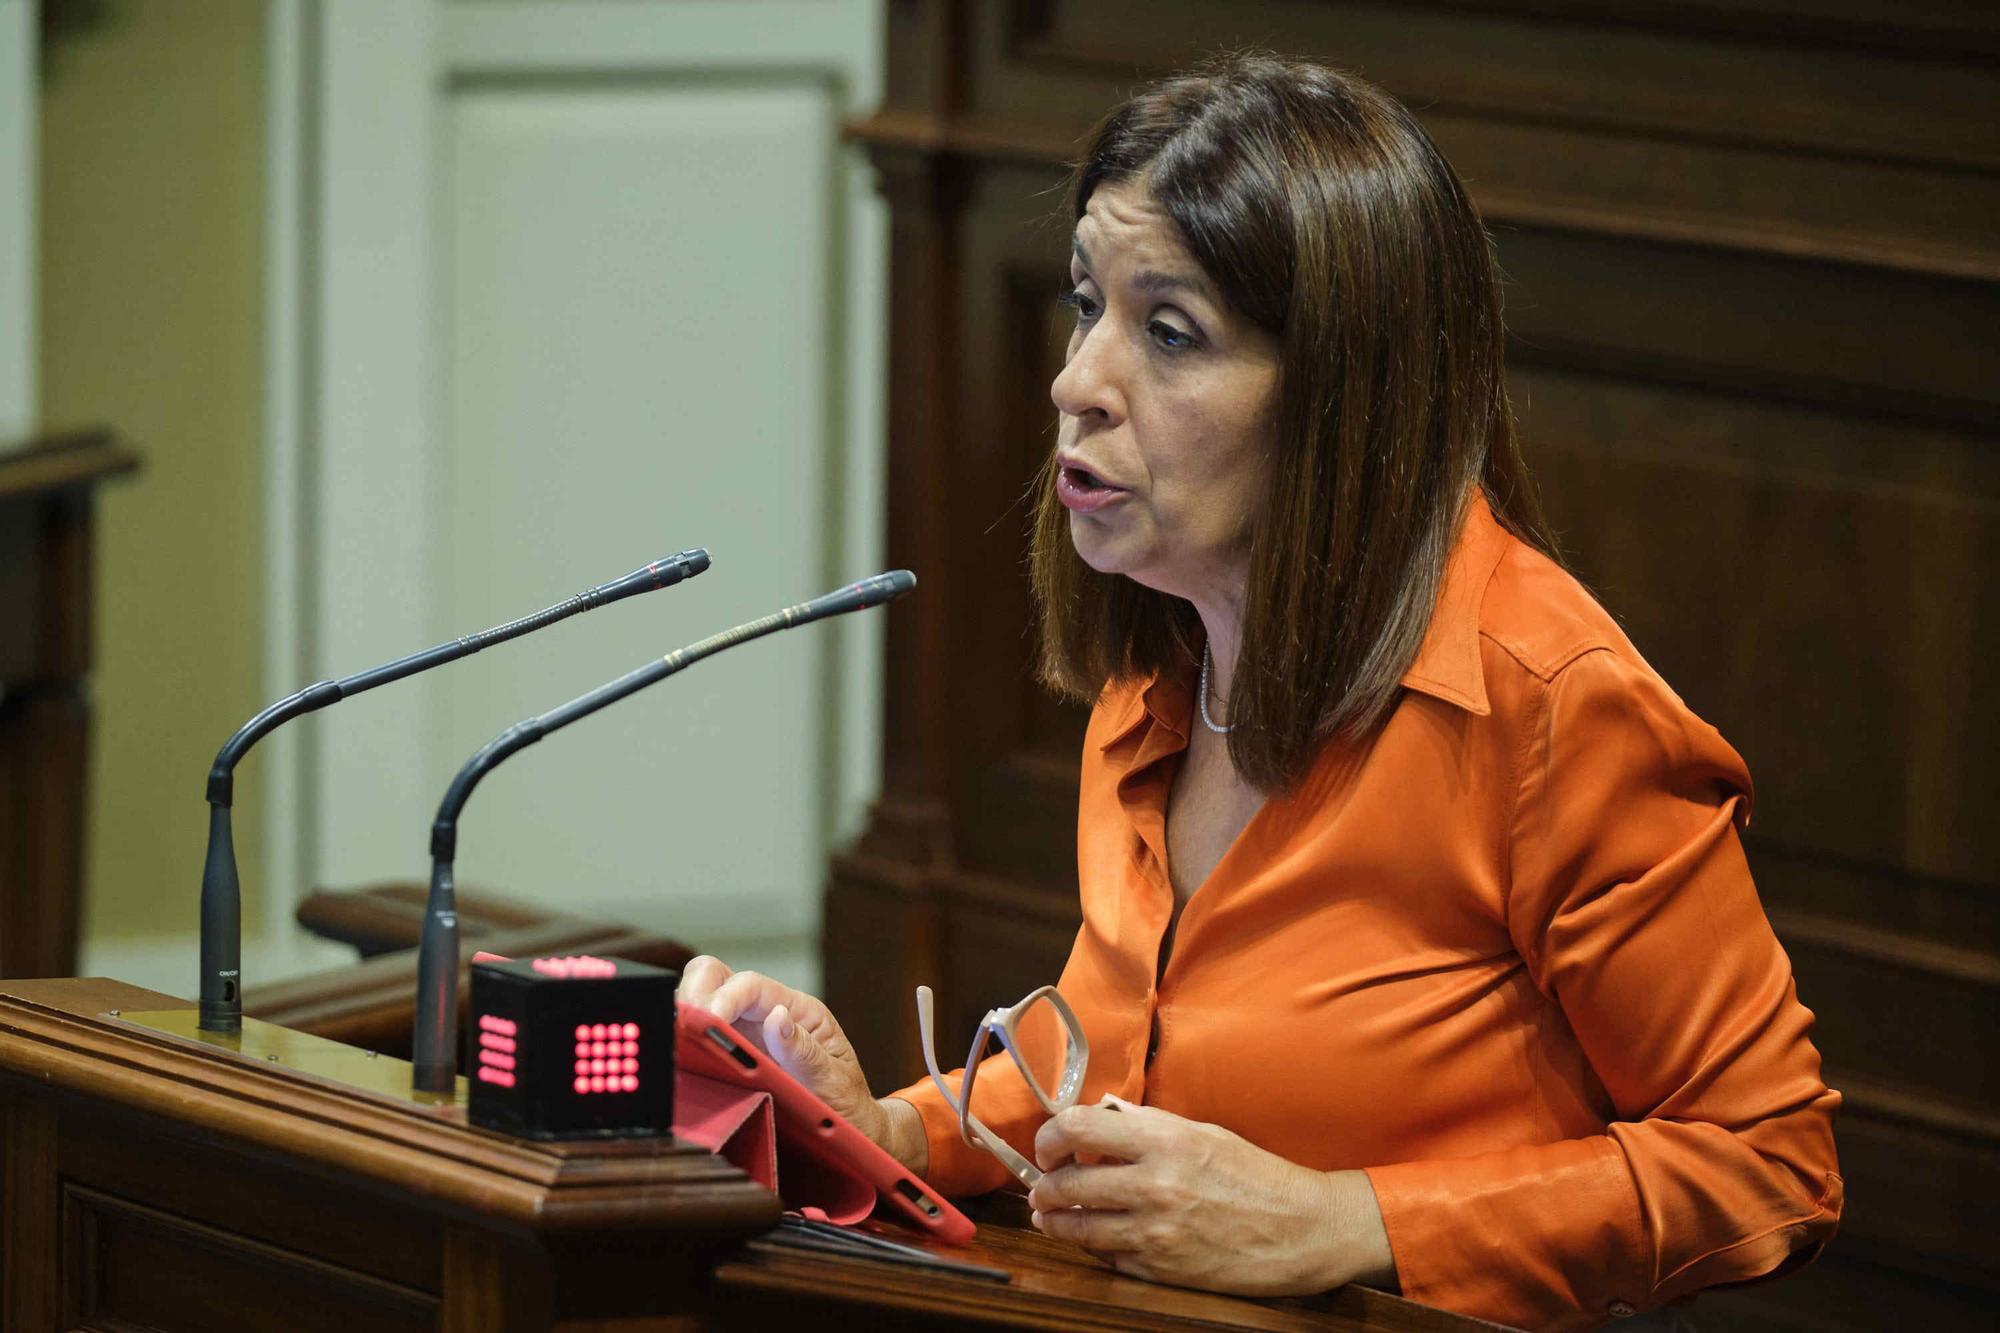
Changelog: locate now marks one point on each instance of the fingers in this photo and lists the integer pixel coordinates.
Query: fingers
(1099, 1232)
(796, 1050)
(699, 980)
(748, 997)
(831, 1073)
(1121, 1188)
(1112, 1129)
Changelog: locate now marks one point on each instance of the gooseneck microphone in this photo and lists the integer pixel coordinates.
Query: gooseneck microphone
(434, 1045)
(221, 895)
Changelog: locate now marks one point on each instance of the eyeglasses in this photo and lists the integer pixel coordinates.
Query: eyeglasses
(1005, 1024)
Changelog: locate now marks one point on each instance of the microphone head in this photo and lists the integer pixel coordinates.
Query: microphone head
(669, 570)
(871, 591)
(887, 587)
(662, 573)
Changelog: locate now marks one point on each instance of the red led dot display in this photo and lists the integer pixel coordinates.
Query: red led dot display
(607, 1058)
(575, 966)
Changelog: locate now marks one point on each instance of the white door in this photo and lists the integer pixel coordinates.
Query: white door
(560, 288)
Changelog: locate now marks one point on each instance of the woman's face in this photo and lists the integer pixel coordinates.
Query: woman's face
(1166, 396)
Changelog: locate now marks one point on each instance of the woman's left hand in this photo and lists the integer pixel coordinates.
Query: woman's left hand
(1192, 1204)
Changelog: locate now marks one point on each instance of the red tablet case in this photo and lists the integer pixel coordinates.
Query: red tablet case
(820, 1160)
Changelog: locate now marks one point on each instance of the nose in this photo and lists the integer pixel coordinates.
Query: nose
(1090, 383)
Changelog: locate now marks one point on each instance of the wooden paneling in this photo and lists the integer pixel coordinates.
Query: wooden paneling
(138, 1266)
(30, 1236)
(1752, 257)
(109, 1161)
(1816, 582)
(1836, 87)
(1921, 1184)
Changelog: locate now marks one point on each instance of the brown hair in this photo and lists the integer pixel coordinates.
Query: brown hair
(1325, 215)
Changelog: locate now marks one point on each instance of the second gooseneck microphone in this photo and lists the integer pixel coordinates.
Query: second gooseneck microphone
(434, 1045)
(221, 894)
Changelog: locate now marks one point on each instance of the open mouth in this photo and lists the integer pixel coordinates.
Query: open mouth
(1083, 491)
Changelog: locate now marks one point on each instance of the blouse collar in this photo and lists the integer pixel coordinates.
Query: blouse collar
(1447, 664)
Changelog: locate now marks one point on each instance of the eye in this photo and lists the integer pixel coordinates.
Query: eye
(1085, 305)
(1171, 338)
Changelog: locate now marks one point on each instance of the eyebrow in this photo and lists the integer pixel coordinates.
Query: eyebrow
(1152, 280)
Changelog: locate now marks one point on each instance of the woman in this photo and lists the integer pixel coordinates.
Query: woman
(1418, 944)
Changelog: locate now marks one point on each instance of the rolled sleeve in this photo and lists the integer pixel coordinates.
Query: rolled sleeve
(955, 1167)
(1632, 906)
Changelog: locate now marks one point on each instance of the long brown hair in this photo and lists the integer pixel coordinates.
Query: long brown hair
(1325, 215)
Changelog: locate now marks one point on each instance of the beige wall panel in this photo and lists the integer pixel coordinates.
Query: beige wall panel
(150, 246)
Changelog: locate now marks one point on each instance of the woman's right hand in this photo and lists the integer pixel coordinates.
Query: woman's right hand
(804, 1037)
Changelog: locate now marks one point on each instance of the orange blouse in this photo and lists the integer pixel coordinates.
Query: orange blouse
(1508, 958)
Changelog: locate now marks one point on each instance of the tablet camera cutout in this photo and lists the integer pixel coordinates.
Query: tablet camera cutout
(916, 1196)
(731, 1047)
(572, 1047)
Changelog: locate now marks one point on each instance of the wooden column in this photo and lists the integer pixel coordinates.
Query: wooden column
(47, 492)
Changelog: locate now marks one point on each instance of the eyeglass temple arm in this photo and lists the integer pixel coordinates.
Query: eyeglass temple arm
(1024, 1170)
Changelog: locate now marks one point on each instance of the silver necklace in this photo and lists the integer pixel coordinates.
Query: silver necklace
(1202, 699)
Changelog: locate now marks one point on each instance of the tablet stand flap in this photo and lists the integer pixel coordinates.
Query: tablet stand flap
(811, 1177)
(734, 1123)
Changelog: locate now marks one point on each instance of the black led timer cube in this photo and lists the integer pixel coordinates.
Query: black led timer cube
(571, 1047)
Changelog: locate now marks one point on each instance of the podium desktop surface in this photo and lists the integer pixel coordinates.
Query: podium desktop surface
(152, 1180)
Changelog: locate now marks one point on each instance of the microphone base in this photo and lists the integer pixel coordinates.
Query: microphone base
(437, 1080)
(220, 1020)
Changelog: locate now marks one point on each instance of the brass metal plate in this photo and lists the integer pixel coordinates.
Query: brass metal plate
(382, 1075)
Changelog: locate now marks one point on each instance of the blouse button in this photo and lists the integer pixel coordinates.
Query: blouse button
(1623, 1309)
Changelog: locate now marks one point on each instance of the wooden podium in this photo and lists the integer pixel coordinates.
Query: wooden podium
(161, 1183)
(156, 1181)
